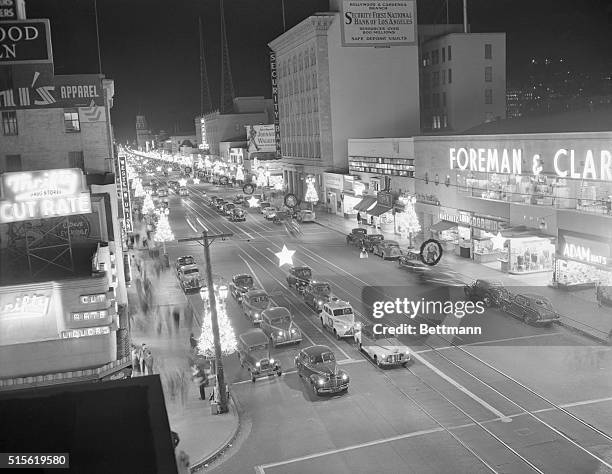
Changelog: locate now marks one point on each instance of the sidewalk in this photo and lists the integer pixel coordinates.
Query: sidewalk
(203, 436)
(579, 309)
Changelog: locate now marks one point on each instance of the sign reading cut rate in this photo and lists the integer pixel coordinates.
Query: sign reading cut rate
(43, 194)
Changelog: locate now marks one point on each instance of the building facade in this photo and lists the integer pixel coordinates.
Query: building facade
(144, 137)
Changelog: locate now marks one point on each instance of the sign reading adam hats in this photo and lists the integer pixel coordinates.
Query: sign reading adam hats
(43, 194)
(25, 41)
(378, 23)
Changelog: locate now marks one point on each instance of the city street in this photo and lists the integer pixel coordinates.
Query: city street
(466, 404)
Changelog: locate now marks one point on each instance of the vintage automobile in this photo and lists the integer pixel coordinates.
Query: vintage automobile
(228, 208)
(387, 249)
(209, 199)
(240, 284)
(411, 260)
(316, 294)
(356, 236)
(183, 261)
(254, 354)
(253, 303)
(162, 192)
(317, 366)
(299, 277)
(338, 317)
(237, 215)
(306, 215)
(370, 240)
(220, 205)
(490, 292)
(279, 326)
(533, 309)
(238, 200)
(384, 350)
(183, 191)
(263, 205)
(269, 212)
(174, 185)
(189, 278)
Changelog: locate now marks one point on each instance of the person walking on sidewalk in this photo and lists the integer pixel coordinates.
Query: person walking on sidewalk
(176, 316)
(141, 357)
(148, 362)
(359, 218)
(193, 342)
(135, 359)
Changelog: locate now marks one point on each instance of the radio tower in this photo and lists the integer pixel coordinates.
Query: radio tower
(227, 85)
(205, 101)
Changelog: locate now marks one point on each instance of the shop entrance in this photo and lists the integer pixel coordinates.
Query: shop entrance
(333, 206)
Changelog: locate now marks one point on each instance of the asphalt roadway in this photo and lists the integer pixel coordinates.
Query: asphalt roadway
(515, 399)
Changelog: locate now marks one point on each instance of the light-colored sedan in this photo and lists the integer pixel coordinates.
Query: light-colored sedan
(306, 216)
(384, 350)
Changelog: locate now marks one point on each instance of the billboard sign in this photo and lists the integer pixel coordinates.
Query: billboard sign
(8, 10)
(274, 75)
(262, 138)
(78, 90)
(379, 23)
(126, 202)
(24, 41)
(43, 194)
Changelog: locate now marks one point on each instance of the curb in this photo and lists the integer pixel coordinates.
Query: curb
(584, 333)
(330, 227)
(205, 462)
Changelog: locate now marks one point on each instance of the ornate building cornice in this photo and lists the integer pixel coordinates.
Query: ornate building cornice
(302, 32)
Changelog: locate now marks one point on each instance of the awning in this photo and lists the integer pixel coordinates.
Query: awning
(364, 203)
(378, 210)
(443, 225)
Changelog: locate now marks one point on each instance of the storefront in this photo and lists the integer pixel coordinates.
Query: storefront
(333, 187)
(525, 251)
(453, 231)
(353, 192)
(582, 261)
(484, 231)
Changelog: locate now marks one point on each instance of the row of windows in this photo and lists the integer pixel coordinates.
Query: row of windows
(295, 128)
(297, 84)
(10, 126)
(304, 147)
(385, 161)
(298, 62)
(434, 78)
(433, 57)
(300, 106)
(75, 160)
(433, 100)
(381, 171)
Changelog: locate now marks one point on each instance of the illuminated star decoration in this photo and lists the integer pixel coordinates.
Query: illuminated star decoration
(498, 241)
(285, 256)
(182, 182)
(253, 201)
(196, 180)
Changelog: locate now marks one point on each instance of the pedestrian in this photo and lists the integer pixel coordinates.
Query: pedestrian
(176, 315)
(598, 293)
(137, 237)
(141, 357)
(193, 342)
(149, 362)
(188, 316)
(358, 218)
(135, 359)
(157, 269)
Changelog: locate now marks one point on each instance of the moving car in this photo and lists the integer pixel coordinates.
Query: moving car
(269, 212)
(338, 317)
(240, 284)
(183, 261)
(263, 205)
(316, 294)
(411, 261)
(386, 249)
(317, 366)
(370, 240)
(356, 236)
(238, 200)
(254, 354)
(228, 208)
(220, 205)
(237, 215)
(162, 192)
(279, 326)
(490, 292)
(384, 350)
(253, 303)
(299, 277)
(306, 215)
(174, 185)
(189, 278)
(532, 308)
(183, 191)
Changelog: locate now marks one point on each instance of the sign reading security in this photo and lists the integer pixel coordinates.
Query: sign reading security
(43, 194)
(24, 41)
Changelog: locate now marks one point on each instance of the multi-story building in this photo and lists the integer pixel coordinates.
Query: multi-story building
(513, 103)
(463, 81)
(328, 93)
(144, 137)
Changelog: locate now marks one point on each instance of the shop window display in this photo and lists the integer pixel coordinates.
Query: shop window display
(530, 255)
(581, 275)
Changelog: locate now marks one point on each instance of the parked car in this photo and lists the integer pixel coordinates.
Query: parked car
(338, 317)
(263, 205)
(490, 292)
(299, 277)
(183, 191)
(183, 261)
(384, 350)
(240, 284)
(253, 303)
(237, 215)
(162, 192)
(387, 249)
(306, 215)
(411, 260)
(228, 208)
(269, 212)
(316, 294)
(532, 308)
(370, 240)
(209, 199)
(220, 205)
(356, 236)
(174, 185)
(317, 366)
(189, 278)
(255, 355)
(279, 326)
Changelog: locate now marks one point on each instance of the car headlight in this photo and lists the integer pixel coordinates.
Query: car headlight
(345, 327)
(320, 301)
(257, 364)
(293, 331)
(256, 315)
(280, 333)
(271, 361)
(321, 381)
(344, 377)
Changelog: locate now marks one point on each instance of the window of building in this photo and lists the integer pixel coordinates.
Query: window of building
(76, 160)
(435, 122)
(426, 59)
(443, 76)
(71, 120)
(9, 122)
(443, 99)
(13, 163)
(426, 101)
(444, 121)
(488, 73)
(436, 100)
(450, 76)
(435, 78)
(488, 117)
(435, 56)
(488, 96)
(450, 56)
(443, 54)
(488, 51)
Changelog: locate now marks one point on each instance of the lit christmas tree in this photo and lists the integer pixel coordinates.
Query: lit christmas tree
(163, 232)
(206, 344)
(311, 193)
(239, 174)
(262, 180)
(408, 220)
(148, 206)
(138, 189)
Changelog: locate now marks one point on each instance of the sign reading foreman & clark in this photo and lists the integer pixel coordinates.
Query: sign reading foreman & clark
(43, 194)
(25, 42)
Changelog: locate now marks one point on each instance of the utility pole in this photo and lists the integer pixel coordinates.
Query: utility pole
(206, 240)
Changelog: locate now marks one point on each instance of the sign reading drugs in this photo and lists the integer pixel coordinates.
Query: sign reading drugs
(43, 194)
(25, 41)
(378, 23)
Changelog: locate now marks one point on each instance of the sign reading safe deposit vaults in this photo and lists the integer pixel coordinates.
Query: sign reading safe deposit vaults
(25, 41)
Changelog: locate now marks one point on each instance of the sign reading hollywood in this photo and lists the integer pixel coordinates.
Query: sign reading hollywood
(43, 194)
(262, 138)
(378, 23)
(24, 41)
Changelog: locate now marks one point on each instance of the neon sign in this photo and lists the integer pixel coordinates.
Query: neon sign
(84, 332)
(32, 305)
(580, 252)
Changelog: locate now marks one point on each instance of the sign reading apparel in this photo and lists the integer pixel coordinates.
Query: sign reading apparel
(25, 41)
(42, 194)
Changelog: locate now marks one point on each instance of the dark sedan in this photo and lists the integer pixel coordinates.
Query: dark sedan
(317, 366)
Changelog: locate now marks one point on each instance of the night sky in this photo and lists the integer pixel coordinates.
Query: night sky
(150, 47)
